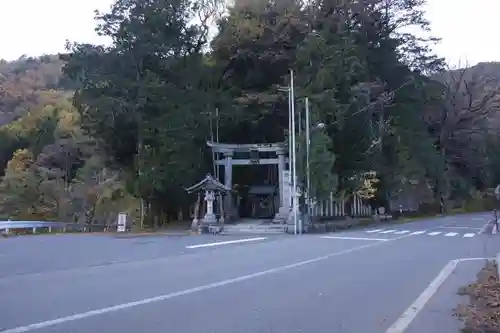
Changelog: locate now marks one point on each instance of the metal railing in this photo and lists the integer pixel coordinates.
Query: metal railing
(45, 226)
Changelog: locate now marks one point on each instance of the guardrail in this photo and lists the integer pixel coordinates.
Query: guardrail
(36, 226)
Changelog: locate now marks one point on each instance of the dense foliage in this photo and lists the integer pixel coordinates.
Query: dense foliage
(396, 124)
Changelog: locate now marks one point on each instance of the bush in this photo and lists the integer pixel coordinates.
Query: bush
(480, 205)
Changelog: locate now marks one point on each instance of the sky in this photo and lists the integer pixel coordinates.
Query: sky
(469, 28)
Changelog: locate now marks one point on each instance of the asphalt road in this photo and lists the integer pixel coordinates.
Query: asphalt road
(356, 281)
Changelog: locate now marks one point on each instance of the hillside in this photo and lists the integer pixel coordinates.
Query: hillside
(51, 169)
(28, 83)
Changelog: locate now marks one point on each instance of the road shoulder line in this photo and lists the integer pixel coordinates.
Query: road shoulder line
(404, 321)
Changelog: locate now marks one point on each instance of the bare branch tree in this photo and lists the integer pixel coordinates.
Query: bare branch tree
(467, 114)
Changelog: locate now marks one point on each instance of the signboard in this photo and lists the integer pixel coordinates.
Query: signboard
(254, 156)
(122, 222)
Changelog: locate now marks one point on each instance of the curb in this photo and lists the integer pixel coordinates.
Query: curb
(497, 260)
(151, 234)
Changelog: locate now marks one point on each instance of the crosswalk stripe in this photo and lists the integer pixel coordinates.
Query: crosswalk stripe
(420, 232)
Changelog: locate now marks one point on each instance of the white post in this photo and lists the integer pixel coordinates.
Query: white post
(332, 211)
(356, 205)
(294, 157)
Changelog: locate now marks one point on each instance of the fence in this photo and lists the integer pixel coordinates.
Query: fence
(331, 208)
(34, 226)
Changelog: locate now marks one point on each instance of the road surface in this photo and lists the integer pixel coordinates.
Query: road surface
(391, 279)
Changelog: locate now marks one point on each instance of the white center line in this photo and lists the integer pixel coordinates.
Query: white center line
(417, 233)
(461, 228)
(402, 232)
(451, 234)
(388, 231)
(469, 235)
(434, 233)
(355, 238)
(226, 242)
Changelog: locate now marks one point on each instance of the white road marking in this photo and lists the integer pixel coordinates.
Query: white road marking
(469, 235)
(435, 233)
(479, 219)
(235, 241)
(123, 306)
(483, 229)
(417, 233)
(372, 231)
(402, 232)
(461, 228)
(411, 313)
(451, 234)
(388, 231)
(355, 238)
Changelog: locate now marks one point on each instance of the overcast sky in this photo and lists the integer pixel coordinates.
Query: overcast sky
(469, 28)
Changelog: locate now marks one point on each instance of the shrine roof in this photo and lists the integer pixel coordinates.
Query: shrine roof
(208, 183)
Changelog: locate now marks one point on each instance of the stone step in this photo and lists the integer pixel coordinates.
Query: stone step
(267, 226)
(271, 227)
(254, 229)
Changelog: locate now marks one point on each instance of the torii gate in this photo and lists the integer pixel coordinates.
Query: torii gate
(229, 159)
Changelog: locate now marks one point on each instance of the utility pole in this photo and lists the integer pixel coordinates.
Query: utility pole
(290, 132)
(308, 170)
(217, 172)
(294, 156)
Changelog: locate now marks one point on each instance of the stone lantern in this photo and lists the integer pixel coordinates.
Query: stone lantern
(209, 193)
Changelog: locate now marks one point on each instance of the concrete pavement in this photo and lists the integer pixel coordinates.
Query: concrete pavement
(352, 282)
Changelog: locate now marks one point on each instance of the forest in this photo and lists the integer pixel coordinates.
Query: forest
(104, 129)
